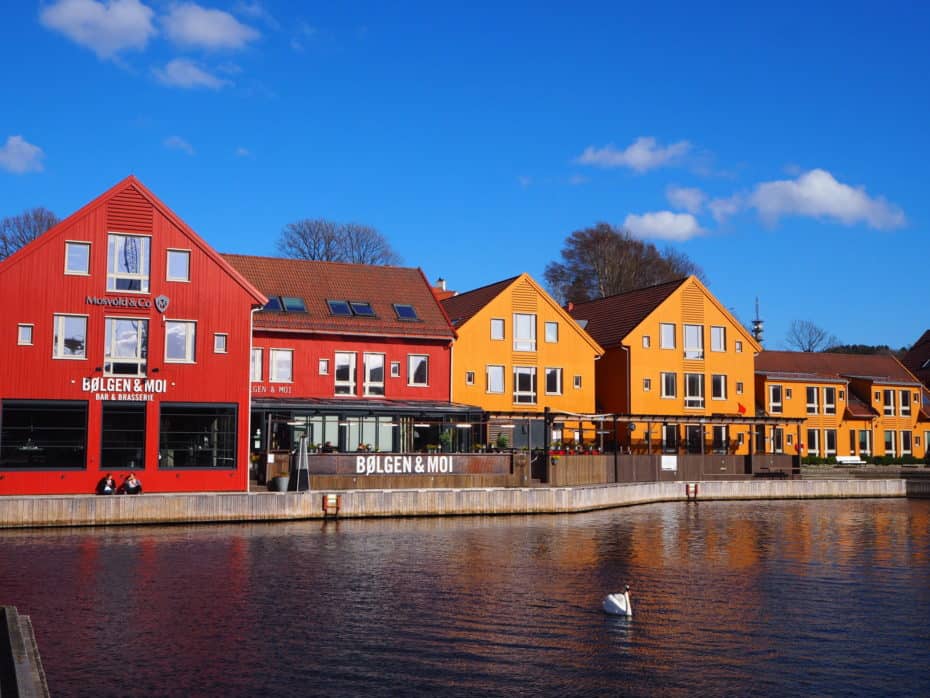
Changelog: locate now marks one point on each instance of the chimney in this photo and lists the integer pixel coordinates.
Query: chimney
(441, 283)
(570, 306)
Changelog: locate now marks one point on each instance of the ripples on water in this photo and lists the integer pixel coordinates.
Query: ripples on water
(761, 598)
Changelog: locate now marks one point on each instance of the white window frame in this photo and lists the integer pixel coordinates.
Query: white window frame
(829, 449)
(469, 377)
(829, 400)
(498, 330)
(412, 370)
(345, 386)
(888, 402)
(776, 406)
(492, 371)
(905, 406)
(255, 371)
(719, 434)
(667, 335)
(813, 442)
(647, 341)
(552, 332)
(190, 341)
(693, 339)
(523, 342)
(718, 380)
(175, 251)
(22, 329)
(647, 385)
(576, 382)
(369, 364)
(694, 400)
(664, 378)
(322, 367)
(77, 272)
(558, 372)
(59, 322)
(812, 407)
(907, 441)
(395, 369)
(525, 397)
(739, 387)
(141, 357)
(113, 273)
(718, 338)
(866, 448)
(220, 343)
(890, 439)
(738, 346)
(273, 355)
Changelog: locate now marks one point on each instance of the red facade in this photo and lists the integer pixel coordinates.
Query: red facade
(124, 346)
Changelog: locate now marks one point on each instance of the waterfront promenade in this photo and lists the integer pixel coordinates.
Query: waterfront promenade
(90, 510)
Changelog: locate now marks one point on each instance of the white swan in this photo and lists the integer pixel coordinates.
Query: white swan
(619, 604)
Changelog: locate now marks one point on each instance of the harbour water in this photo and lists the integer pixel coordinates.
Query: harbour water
(774, 598)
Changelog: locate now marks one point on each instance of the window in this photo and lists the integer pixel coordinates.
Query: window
(667, 335)
(274, 305)
(775, 399)
(24, 334)
(524, 385)
(256, 365)
(552, 332)
(829, 400)
(647, 385)
(345, 373)
(718, 387)
(669, 384)
(694, 341)
(906, 443)
(576, 382)
(495, 376)
(813, 442)
(323, 367)
(469, 377)
(220, 343)
(553, 381)
(417, 369)
(70, 337)
(905, 405)
(787, 393)
(362, 308)
(524, 332)
(292, 304)
(122, 436)
(281, 365)
(811, 400)
(738, 346)
(395, 369)
(646, 341)
(339, 308)
(889, 402)
(497, 328)
(126, 346)
(374, 374)
(179, 265)
(829, 442)
(128, 263)
(889, 443)
(43, 434)
(197, 436)
(405, 311)
(77, 258)
(669, 437)
(778, 439)
(718, 338)
(180, 340)
(852, 442)
(739, 387)
(865, 442)
(694, 390)
(720, 439)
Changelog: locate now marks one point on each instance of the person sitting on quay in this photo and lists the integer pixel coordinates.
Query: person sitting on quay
(131, 485)
(107, 485)
(328, 447)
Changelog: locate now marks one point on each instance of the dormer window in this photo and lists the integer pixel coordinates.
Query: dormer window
(405, 312)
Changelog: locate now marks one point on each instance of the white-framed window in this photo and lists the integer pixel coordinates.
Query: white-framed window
(344, 380)
(24, 334)
(128, 263)
(281, 365)
(77, 258)
(718, 338)
(694, 341)
(738, 346)
(906, 445)
(495, 379)
(720, 439)
(524, 385)
(647, 385)
(220, 343)
(70, 340)
(865, 442)
(647, 341)
(553, 381)
(667, 335)
(395, 369)
(739, 387)
(180, 341)
(787, 393)
(775, 399)
(889, 442)
(829, 442)
(524, 332)
(552, 332)
(669, 382)
(888, 402)
(125, 346)
(469, 377)
(576, 382)
(813, 442)
(829, 400)
(417, 369)
(812, 403)
(778, 439)
(323, 367)
(257, 355)
(374, 374)
(694, 390)
(497, 328)
(178, 265)
(718, 386)
(670, 437)
(905, 406)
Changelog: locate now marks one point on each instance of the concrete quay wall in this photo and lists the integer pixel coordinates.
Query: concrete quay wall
(89, 510)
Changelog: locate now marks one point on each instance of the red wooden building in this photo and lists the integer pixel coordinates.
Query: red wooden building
(124, 347)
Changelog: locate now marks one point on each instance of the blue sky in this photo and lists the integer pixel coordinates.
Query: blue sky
(782, 148)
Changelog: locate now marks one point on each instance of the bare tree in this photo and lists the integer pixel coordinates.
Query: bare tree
(804, 335)
(17, 231)
(327, 241)
(603, 260)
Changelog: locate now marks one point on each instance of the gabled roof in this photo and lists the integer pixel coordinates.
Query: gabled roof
(878, 368)
(131, 183)
(319, 282)
(462, 307)
(917, 358)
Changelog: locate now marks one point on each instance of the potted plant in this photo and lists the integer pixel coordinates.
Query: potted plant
(502, 441)
(445, 438)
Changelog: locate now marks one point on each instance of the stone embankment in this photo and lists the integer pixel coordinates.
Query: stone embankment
(21, 672)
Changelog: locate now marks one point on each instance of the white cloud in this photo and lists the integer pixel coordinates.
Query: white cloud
(723, 208)
(817, 194)
(20, 156)
(189, 24)
(525, 181)
(642, 155)
(106, 28)
(178, 143)
(257, 10)
(690, 199)
(243, 152)
(663, 225)
(184, 73)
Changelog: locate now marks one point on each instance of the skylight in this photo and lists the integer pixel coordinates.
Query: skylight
(362, 308)
(405, 311)
(340, 308)
(274, 303)
(293, 305)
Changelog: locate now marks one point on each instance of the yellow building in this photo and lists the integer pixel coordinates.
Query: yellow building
(855, 406)
(678, 364)
(518, 351)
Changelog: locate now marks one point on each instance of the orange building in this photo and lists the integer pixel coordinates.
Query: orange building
(855, 406)
(678, 364)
